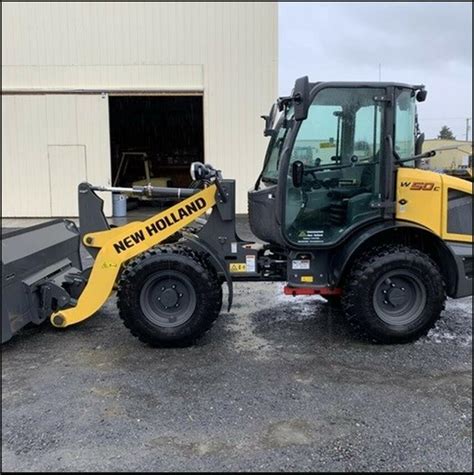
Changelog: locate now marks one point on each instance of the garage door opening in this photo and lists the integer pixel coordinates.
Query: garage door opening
(154, 139)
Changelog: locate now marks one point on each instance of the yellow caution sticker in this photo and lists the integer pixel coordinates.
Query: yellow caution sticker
(307, 278)
(237, 267)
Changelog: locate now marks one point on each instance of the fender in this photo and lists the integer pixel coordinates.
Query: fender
(341, 259)
(198, 244)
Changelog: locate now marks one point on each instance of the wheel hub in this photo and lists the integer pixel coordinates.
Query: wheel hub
(396, 297)
(169, 298)
(399, 297)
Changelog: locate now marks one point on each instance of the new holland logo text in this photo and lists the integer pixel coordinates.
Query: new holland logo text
(160, 225)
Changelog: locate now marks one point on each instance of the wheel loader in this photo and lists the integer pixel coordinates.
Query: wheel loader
(341, 209)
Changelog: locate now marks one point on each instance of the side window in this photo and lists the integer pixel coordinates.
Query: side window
(270, 172)
(459, 212)
(368, 121)
(405, 126)
(319, 137)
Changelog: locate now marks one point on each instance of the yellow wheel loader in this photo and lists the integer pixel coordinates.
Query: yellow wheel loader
(341, 206)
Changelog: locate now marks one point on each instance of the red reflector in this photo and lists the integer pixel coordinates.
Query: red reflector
(310, 291)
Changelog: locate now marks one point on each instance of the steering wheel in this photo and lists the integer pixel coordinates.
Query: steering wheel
(316, 182)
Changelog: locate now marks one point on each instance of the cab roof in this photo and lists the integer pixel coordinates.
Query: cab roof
(367, 84)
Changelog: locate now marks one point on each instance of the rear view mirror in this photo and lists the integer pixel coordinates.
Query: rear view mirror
(301, 98)
(297, 171)
(421, 95)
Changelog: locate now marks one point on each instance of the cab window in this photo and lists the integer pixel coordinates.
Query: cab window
(339, 145)
(404, 133)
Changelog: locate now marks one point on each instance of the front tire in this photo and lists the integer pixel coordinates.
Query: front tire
(393, 294)
(169, 296)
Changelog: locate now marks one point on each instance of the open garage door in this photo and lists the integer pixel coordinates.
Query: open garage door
(154, 139)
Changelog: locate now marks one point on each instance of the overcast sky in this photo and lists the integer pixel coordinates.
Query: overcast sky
(428, 43)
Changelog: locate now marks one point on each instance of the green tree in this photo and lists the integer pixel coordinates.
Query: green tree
(446, 133)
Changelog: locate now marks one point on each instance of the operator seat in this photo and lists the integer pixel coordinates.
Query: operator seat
(349, 202)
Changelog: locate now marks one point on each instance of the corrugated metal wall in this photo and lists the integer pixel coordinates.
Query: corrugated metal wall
(36, 130)
(226, 50)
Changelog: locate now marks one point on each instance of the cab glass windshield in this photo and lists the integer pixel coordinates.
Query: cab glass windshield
(275, 147)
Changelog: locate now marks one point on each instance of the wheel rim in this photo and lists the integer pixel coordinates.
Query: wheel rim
(399, 297)
(168, 298)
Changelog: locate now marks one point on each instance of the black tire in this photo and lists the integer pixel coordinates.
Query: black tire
(393, 294)
(169, 296)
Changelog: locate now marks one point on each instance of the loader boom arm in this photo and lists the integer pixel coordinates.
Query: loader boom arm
(116, 246)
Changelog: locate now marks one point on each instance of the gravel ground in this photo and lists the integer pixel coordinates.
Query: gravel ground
(277, 384)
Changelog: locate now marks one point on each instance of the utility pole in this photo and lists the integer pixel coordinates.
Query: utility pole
(380, 71)
(468, 127)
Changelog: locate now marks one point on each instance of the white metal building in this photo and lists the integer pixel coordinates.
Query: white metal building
(104, 92)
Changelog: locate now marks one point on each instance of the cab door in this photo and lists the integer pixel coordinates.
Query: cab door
(340, 146)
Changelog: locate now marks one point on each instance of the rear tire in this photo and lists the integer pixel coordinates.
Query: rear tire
(393, 294)
(169, 296)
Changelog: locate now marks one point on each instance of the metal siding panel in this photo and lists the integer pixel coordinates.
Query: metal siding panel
(8, 154)
(25, 182)
(31, 135)
(31, 125)
(67, 167)
(96, 135)
(229, 49)
(62, 120)
(8, 32)
(109, 77)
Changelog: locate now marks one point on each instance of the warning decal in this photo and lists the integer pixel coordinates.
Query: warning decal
(237, 267)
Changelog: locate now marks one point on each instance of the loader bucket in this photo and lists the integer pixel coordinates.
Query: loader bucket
(31, 258)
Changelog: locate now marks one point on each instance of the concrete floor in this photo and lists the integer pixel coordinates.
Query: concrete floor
(278, 384)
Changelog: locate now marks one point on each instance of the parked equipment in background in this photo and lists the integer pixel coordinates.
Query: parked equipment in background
(147, 173)
(342, 207)
(460, 172)
(451, 159)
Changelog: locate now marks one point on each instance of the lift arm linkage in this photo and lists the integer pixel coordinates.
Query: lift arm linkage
(119, 245)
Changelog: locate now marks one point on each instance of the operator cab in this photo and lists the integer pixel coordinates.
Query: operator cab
(329, 169)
